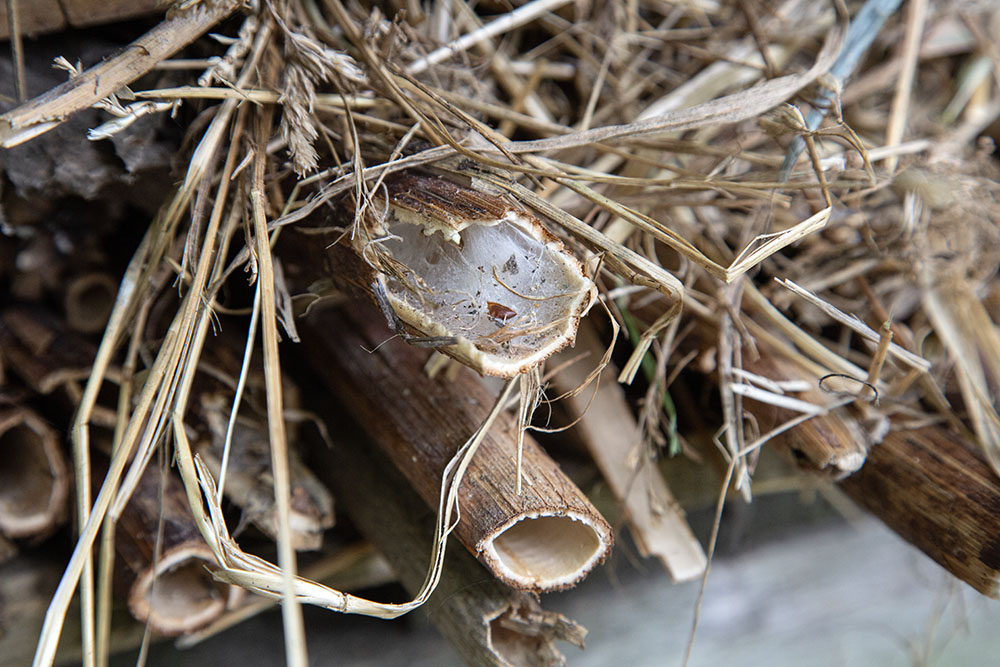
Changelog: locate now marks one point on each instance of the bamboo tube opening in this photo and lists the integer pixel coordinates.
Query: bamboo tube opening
(484, 272)
(33, 477)
(88, 303)
(180, 595)
(546, 552)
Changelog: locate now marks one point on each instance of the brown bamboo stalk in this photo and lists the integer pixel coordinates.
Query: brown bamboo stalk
(833, 445)
(930, 487)
(486, 622)
(169, 583)
(88, 301)
(608, 429)
(34, 476)
(545, 539)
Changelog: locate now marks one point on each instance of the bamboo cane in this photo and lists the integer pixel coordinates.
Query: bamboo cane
(34, 476)
(486, 622)
(548, 538)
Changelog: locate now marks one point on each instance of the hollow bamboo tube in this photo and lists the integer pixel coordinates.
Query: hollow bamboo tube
(248, 483)
(34, 477)
(485, 621)
(88, 301)
(833, 444)
(169, 583)
(930, 487)
(548, 538)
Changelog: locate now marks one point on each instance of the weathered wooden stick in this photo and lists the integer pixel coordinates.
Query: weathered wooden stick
(486, 622)
(930, 487)
(547, 538)
(34, 476)
(608, 429)
(48, 110)
(169, 583)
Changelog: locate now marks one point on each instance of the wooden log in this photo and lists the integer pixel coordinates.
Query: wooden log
(167, 573)
(941, 496)
(547, 538)
(608, 429)
(486, 622)
(34, 476)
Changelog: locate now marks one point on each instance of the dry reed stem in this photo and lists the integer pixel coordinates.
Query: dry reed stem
(291, 612)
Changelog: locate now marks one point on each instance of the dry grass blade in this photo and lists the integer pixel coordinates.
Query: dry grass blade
(291, 612)
(858, 326)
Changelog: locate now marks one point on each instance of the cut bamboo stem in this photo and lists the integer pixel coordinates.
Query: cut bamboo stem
(932, 489)
(608, 429)
(548, 538)
(464, 269)
(486, 622)
(89, 300)
(828, 444)
(169, 583)
(248, 482)
(34, 476)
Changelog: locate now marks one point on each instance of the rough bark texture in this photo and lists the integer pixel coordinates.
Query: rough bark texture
(929, 486)
(420, 423)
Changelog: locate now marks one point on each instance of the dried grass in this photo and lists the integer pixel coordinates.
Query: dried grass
(684, 199)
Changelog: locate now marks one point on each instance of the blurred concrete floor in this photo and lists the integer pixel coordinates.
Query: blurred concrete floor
(826, 594)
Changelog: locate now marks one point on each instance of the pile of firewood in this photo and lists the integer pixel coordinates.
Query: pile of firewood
(285, 308)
